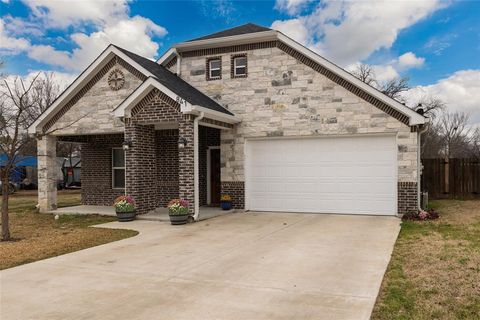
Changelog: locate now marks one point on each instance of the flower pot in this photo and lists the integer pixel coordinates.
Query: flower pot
(226, 205)
(178, 219)
(126, 216)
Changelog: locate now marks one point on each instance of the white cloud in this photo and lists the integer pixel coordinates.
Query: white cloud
(460, 92)
(18, 26)
(294, 28)
(10, 45)
(349, 31)
(385, 72)
(410, 60)
(109, 20)
(292, 7)
(64, 13)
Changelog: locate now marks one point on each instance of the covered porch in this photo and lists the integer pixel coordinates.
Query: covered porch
(168, 149)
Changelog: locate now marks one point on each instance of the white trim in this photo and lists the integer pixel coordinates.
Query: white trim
(167, 56)
(212, 114)
(210, 69)
(209, 176)
(78, 84)
(196, 168)
(415, 118)
(235, 67)
(125, 108)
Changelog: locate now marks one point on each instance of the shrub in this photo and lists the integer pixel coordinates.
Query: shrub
(226, 198)
(421, 215)
(178, 207)
(124, 204)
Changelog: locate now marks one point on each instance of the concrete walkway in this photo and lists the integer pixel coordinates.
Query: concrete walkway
(238, 266)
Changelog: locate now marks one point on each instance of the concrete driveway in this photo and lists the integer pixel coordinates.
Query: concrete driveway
(240, 266)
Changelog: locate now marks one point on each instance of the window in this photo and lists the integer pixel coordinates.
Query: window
(118, 168)
(214, 68)
(239, 66)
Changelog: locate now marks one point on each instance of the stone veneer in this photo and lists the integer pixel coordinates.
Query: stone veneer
(92, 111)
(284, 97)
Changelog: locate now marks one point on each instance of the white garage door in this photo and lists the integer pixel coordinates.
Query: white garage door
(350, 175)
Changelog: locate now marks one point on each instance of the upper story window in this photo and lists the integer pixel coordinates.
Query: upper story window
(118, 168)
(214, 68)
(239, 66)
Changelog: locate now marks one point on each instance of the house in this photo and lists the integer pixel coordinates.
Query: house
(247, 112)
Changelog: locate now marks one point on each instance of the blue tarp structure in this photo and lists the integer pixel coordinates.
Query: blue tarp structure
(20, 161)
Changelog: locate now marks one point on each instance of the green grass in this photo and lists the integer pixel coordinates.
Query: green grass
(434, 272)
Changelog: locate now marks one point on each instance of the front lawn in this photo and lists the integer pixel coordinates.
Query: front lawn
(39, 236)
(435, 268)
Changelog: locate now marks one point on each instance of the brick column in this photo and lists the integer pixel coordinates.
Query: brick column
(186, 162)
(47, 173)
(140, 166)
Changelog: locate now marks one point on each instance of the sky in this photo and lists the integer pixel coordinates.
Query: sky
(434, 43)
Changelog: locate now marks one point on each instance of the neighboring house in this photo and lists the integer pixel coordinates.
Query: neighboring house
(246, 111)
(24, 170)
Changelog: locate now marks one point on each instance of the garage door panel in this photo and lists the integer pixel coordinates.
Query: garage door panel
(333, 175)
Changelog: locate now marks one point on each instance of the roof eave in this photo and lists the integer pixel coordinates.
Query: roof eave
(124, 109)
(225, 41)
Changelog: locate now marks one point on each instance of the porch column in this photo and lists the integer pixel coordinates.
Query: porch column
(47, 173)
(140, 166)
(186, 181)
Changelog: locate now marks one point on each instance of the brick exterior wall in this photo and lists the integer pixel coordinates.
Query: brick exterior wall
(186, 162)
(236, 189)
(141, 165)
(167, 166)
(96, 155)
(407, 197)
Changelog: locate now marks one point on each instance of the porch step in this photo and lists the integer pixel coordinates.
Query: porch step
(161, 214)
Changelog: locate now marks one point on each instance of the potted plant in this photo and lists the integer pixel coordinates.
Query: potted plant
(125, 208)
(226, 202)
(178, 211)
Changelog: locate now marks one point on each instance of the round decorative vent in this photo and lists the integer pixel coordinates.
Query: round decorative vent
(116, 79)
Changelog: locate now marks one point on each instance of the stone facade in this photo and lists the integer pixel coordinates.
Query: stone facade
(283, 97)
(91, 113)
(280, 97)
(47, 173)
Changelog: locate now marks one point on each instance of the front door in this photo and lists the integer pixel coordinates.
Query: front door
(215, 176)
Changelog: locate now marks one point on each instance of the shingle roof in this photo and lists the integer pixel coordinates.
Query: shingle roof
(175, 83)
(243, 29)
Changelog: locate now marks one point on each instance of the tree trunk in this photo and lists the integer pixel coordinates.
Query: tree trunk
(5, 193)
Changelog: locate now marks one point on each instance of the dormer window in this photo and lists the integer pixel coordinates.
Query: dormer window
(239, 66)
(214, 68)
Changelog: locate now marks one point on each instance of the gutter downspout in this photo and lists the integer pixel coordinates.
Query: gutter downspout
(419, 164)
(196, 171)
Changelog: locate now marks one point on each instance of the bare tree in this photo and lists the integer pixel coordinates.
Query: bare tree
(392, 88)
(21, 102)
(365, 73)
(455, 133)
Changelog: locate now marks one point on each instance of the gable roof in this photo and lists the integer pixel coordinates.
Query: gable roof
(243, 29)
(176, 84)
(244, 41)
(150, 69)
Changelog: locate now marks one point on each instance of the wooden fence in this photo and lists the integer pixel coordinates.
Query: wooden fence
(455, 178)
